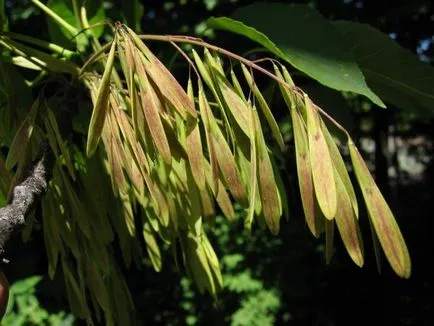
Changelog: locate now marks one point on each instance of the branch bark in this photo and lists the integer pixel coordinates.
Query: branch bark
(25, 196)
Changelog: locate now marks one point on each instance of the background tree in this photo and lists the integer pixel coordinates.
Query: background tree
(275, 45)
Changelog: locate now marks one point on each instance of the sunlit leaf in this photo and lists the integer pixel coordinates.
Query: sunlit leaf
(381, 217)
(213, 262)
(166, 83)
(194, 145)
(204, 112)
(304, 171)
(341, 169)
(322, 167)
(253, 182)
(151, 110)
(101, 105)
(265, 108)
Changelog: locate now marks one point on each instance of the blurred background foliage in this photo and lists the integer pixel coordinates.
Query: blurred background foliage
(273, 280)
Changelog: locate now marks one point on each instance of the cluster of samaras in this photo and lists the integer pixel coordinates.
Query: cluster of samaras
(173, 154)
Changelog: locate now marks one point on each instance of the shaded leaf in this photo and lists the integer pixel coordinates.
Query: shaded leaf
(347, 223)
(377, 247)
(133, 12)
(3, 17)
(226, 162)
(220, 194)
(62, 144)
(267, 185)
(392, 72)
(152, 247)
(75, 297)
(22, 137)
(329, 235)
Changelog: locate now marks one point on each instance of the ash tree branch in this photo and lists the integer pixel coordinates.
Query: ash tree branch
(25, 196)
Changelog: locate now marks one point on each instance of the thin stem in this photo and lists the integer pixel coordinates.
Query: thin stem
(94, 57)
(41, 43)
(338, 125)
(77, 13)
(34, 82)
(186, 58)
(71, 29)
(247, 62)
(202, 43)
(95, 43)
(85, 23)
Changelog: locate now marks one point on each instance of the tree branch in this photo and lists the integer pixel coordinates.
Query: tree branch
(25, 196)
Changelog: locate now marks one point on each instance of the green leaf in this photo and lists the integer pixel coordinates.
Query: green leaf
(152, 107)
(95, 12)
(78, 305)
(321, 163)
(96, 15)
(253, 171)
(15, 98)
(2, 199)
(204, 111)
(341, 169)
(329, 236)
(392, 72)
(101, 105)
(22, 137)
(304, 170)
(152, 247)
(132, 12)
(268, 190)
(347, 223)
(26, 285)
(58, 34)
(334, 104)
(42, 59)
(302, 37)
(3, 18)
(194, 145)
(264, 106)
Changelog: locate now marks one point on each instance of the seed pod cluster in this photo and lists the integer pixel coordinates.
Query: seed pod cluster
(162, 161)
